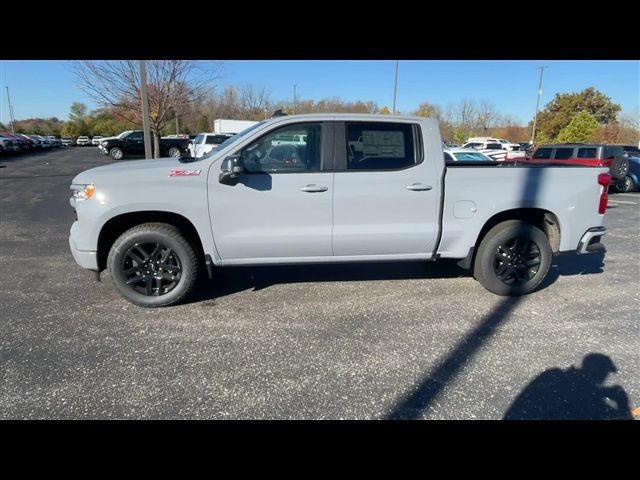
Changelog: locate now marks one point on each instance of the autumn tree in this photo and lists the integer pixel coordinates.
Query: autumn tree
(426, 109)
(172, 85)
(558, 113)
(580, 128)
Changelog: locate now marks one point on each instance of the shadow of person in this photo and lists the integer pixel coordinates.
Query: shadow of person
(573, 394)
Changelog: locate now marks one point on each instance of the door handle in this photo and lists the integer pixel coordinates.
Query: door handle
(314, 188)
(419, 187)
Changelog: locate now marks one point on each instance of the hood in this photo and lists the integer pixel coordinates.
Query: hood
(108, 138)
(134, 168)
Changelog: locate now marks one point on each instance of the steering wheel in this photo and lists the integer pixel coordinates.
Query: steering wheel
(283, 154)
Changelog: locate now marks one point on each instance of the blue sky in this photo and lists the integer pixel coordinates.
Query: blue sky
(46, 88)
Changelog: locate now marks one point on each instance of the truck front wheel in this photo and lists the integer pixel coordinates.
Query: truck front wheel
(153, 265)
(513, 258)
(116, 153)
(174, 152)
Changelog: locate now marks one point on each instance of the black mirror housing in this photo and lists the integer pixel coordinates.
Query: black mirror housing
(232, 168)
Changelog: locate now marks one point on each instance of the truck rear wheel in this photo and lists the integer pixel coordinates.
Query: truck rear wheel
(513, 258)
(153, 265)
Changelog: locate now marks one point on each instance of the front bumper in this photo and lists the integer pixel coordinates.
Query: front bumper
(85, 258)
(590, 241)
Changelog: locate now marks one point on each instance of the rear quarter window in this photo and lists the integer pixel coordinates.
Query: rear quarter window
(611, 152)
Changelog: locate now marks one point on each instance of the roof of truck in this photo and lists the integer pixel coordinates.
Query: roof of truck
(359, 116)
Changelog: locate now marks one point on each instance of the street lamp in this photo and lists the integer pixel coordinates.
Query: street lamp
(395, 88)
(294, 97)
(535, 118)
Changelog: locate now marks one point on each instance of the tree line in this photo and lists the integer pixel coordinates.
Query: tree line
(586, 116)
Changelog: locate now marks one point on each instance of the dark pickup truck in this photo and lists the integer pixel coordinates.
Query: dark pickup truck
(131, 142)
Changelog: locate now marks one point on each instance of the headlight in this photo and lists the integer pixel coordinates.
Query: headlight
(82, 192)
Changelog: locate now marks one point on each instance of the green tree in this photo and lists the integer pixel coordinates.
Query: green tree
(458, 137)
(78, 112)
(580, 129)
(558, 113)
(70, 129)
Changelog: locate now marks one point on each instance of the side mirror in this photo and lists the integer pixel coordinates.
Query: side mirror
(232, 168)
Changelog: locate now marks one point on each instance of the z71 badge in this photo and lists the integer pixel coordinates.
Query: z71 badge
(184, 173)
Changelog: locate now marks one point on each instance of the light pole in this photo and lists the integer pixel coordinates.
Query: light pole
(11, 119)
(535, 118)
(395, 88)
(145, 110)
(294, 97)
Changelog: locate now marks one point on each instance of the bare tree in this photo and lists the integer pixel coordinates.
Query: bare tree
(173, 86)
(485, 115)
(254, 101)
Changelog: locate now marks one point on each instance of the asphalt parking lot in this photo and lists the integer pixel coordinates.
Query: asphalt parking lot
(379, 341)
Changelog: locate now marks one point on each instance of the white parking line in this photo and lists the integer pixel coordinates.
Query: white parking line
(620, 201)
(629, 194)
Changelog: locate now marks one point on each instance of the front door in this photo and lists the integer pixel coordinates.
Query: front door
(280, 210)
(135, 143)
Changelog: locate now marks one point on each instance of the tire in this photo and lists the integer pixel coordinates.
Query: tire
(619, 168)
(174, 152)
(116, 153)
(153, 265)
(627, 185)
(526, 246)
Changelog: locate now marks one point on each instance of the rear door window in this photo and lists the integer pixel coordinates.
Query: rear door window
(380, 146)
(563, 153)
(587, 152)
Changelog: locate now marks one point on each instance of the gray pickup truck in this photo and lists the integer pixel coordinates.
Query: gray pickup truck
(357, 188)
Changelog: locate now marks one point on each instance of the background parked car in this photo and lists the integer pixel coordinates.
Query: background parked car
(83, 141)
(587, 154)
(494, 150)
(465, 155)
(55, 141)
(96, 140)
(7, 144)
(67, 141)
(41, 142)
(205, 142)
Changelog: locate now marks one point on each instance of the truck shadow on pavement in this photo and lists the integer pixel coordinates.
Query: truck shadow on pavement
(230, 280)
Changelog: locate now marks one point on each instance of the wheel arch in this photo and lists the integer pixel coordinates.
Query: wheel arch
(543, 219)
(117, 225)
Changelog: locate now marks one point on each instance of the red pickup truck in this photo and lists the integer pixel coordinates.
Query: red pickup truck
(585, 154)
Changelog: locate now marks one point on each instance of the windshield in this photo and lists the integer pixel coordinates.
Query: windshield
(124, 133)
(471, 156)
(231, 140)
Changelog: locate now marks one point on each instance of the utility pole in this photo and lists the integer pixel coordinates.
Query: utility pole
(535, 118)
(145, 111)
(395, 88)
(294, 98)
(11, 119)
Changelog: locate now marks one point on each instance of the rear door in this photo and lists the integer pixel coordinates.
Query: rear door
(386, 193)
